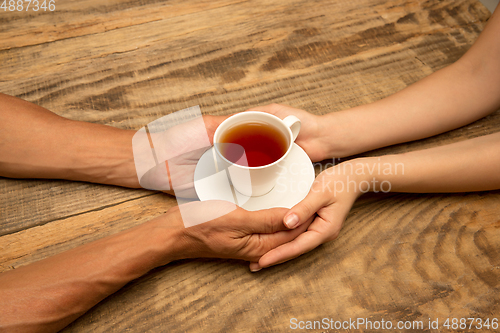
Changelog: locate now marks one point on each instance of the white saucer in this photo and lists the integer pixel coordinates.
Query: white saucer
(292, 185)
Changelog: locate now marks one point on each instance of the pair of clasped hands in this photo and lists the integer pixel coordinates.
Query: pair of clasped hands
(282, 234)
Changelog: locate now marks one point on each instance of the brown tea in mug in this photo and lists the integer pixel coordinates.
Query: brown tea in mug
(262, 143)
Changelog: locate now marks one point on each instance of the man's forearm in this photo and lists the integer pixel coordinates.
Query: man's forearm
(36, 143)
(49, 294)
(465, 166)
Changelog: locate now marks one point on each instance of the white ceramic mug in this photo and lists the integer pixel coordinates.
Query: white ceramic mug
(256, 181)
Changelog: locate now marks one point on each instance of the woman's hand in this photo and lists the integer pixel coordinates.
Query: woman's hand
(315, 135)
(327, 205)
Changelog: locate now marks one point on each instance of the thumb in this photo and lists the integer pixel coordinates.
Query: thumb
(304, 210)
(266, 221)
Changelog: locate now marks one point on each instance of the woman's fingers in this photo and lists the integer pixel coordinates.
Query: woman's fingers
(304, 210)
(325, 227)
(305, 242)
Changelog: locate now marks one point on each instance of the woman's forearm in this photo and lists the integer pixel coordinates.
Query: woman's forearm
(36, 143)
(466, 166)
(447, 99)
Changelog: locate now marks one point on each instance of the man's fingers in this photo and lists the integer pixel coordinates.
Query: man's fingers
(267, 221)
(284, 236)
(211, 124)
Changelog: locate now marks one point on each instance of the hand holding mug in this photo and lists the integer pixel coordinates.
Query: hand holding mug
(315, 133)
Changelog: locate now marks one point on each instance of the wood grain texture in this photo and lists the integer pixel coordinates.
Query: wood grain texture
(124, 64)
(29, 203)
(42, 241)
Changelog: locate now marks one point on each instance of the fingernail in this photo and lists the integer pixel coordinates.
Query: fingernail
(255, 268)
(292, 221)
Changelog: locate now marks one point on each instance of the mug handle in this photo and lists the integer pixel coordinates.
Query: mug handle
(294, 124)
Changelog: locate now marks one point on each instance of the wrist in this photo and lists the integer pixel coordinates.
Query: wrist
(343, 138)
(382, 173)
(41, 144)
(350, 177)
(163, 238)
(358, 130)
(101, 154)
(167, 235)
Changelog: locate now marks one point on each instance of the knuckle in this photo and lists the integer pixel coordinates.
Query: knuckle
(271, 220)
(307, 209)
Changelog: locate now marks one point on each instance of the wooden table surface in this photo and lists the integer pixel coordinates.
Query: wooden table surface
(399, 257)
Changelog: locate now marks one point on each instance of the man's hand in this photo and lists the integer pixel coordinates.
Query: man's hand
(239, 234)
(178, 150)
